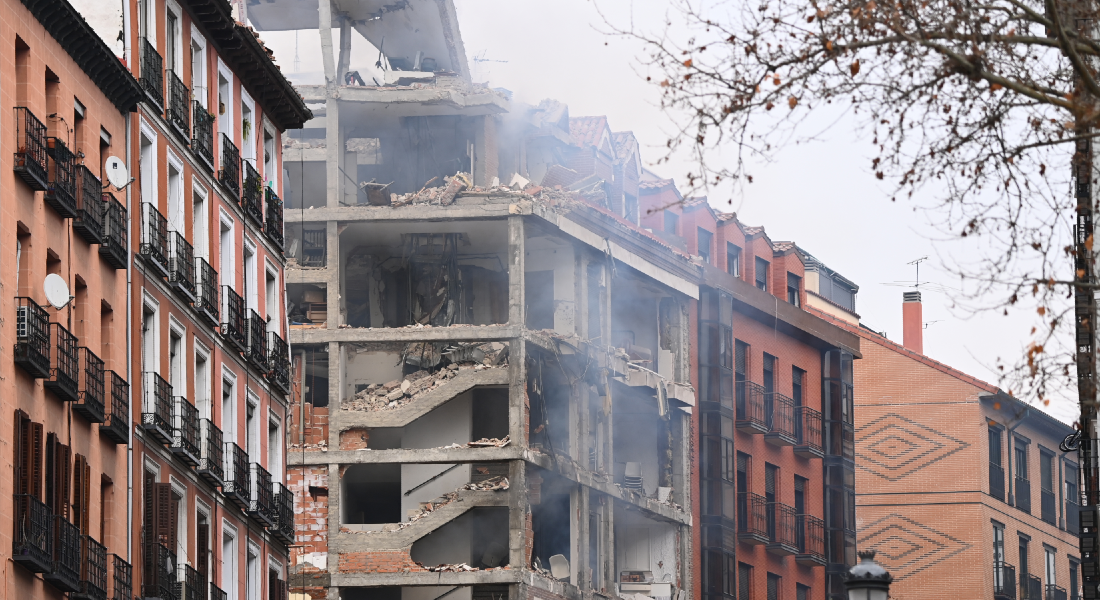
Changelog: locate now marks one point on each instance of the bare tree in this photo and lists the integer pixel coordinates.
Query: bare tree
(980, 104)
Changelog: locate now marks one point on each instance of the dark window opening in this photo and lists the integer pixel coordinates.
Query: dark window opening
(794, 289)
(733, 260)
(761, 274)
(551, 524)
(672, 222)
(316, 390)
(705, 239)
(774, 582)
(744, 582)
(478, 538)
(371, 494)
(539, 295)
(631, 208)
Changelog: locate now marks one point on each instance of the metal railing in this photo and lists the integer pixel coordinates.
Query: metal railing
(1023, 494)
(114, 247)
(235, 486)
(1073, 517)
(1004, 581)
(152, 73)
(206, 291)
(65, 573)
(179, 111)
(156, 407)
(782, 528)
(284, 514)
(90, 385)
(93, 570)
(810, 539)
(32, 337)
(159, 579)
(997, 481)
(278, 362)
(63, 364)
(232, 317)
(273, 224)
(189, 584)
(230, 173)
(808, 432)
(252, 195)
(211, 453)
(257, 331)
(185, 430)
(752, 516)
(202, 135)
(30, 149)
(1031, 587)
(1048, 506)
(90, 207)
(32, 544)
(749, 407)
(780, 419)
(216, 593)
(261, 505)
(116, 426)
(181, 266)
(154, 238)
(61, 187)
(1054, 592)
(122, 579)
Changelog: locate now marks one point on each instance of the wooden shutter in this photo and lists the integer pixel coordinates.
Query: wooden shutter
(149, 531)
(38, 435)
(81, 493)
(202, 556)
(23, 453)
(64, 473)
(171, 524)
(272, 585)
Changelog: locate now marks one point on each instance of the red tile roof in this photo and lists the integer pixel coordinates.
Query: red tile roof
(624, 142)
(587, 131)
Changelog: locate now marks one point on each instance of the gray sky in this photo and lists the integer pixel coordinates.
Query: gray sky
(821, 195)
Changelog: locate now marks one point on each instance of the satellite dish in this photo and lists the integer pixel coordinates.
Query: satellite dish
(57, 291)
(116, 172)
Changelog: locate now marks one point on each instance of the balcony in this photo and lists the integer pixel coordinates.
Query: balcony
(1048, 506)
(1031, 587)
(235, 486)
(257, 349)
(233, 325)
(216, 593)
(122, 579)
(181, 266)
(93, 570)
(202, 135)
(252, 196)
(807, 433)
(230, 173)
(30, 152)
(152, 74)
(91, 385)
(810, 536)
(90, 207)
(273, 224)
(1073, 517)
(159, 579)
(782, 529)
(284, 514)
(179, 109)
(61, 188)
(206, 292)
(779, 410)
(63, 364)
(65, 572)
(997, 482)
(1054, 592)
(154, 239)
(116, 427)
(750, 407)
(278, 362)
(261, 506)
(32, 542)
(1023, 495)
(1004, 581)
(211, 453)
(752, 518)
(156, 408)
(190, 584)
(185, 431)
(114, 247)
(32, 338)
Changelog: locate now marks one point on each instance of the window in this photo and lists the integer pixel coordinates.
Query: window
(771, 494)
(797, 376)
(774, 582)
(1023, 482)
(58, 475)
(1051, 571)
(1001, 578)
(1074, 588)
(704, 241)
(1022, 554)
(251, 435)
(226, 269)
(271, 176)
(744, 581)
(996, 468)
(198, 70)
(740, 376)
(149, 356)
(202, 383)
(630, 205)
(733, 260)
(769, 389)
(248, 131)
(251, 277)
(794, 287)
(175, 363)
(229, 410)
(761, 274)
(1048, 501)
(274, 448)
(271, 299)
(225, 101)
(801, 592)
(202, 545)
(161, 518)
(229, 560)
(672, 222)
(1021, 459)
(172, 33)
(744, 462)
(253, 566)
(28, 455)
(200, 222)
(148, 167)
(1072, 496)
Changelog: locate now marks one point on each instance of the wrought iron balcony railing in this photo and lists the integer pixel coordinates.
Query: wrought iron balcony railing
(233, 320)
(284, 514)
(181, 266)
(278, 362)
(65, 572)
(206, 291)
(156, 407)
(216, 593)
(752, 518)
(61, 187)
(782, 529)
(116, 427)
(779, 413)
(122, 579)
(1023, 494)
(1004, 581)
(252, 196)
(154, 239)
(807, 433)
(1048, 506)
(91, 385)
(159, 579)
(179, 105)
(997, 481)
(32, 543)
(114, 247)
(749, 407)
(93, 570)
(32, 338)
(90, 208)
(1031, 587)
(1054, 592)
(273, 224)
(152, 74)
(211, 453)
(185, 431)
(261, 506)
(190, 584)
(237, 476)
(810, 536)
(257, 349)
(1073, 516)
(230, 173)
(63, 364)
(30, 149)
(202, 135)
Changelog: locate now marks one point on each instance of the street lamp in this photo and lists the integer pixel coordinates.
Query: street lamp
(868, 580)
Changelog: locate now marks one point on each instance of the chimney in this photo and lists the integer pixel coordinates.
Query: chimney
(912, 323)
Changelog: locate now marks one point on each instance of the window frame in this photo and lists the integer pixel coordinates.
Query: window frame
(761, 265)
(733, 259)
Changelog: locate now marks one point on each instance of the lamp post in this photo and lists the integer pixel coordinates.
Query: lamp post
(868, 580)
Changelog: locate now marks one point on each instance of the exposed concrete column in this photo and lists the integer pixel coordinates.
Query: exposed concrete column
(334, 152)
(333, 523)
(335, 390)
(344, 61)
(516, 252)
(324, 20)
(486, 158)
(518, 507)
(335, 272)
(581, 576)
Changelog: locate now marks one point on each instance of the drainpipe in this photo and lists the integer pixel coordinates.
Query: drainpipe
(129, 353)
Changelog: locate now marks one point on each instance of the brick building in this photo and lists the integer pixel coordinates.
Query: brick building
(962, 489)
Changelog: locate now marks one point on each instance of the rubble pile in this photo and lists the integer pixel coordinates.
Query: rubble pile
(483, 443)
(459, 568)
(493, 484)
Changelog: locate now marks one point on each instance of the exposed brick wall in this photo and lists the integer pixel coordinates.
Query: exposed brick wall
(316, 425)
(380, 561)
(354, 439)
(310, 488)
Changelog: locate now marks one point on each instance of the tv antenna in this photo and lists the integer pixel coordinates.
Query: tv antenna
(917, 263)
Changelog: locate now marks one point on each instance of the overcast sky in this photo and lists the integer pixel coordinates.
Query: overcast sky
(820, 195)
